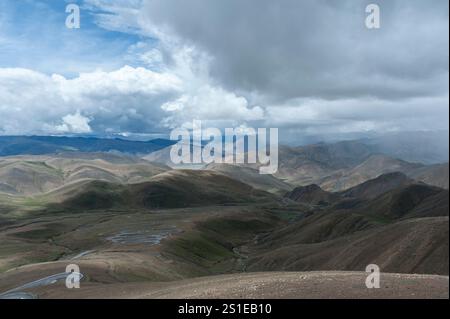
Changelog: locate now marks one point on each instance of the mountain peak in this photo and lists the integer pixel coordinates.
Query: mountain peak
(312, 194)
(379, 185)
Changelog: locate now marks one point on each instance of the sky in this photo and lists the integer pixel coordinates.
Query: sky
(140, 68)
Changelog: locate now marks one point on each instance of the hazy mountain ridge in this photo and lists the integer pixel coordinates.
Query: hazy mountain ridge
(340, 166)
(436, 175)
(426, 147)
(317, 164)
(39, 145)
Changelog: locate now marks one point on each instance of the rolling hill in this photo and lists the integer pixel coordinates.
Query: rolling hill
(402, 226)
(172, 189)
(377, 186)
(372, 167)
(436, 175)
(409, 246)
(312, 194)
(414, 200)
(34, 175)
(251, 176)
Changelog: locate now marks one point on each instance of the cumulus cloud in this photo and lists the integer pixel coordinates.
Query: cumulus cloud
(135, 100)
(214, 105)
(114, 101)
(74, 123)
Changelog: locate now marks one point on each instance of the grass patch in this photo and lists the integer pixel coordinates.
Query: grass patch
(199, 249)
(43, 234)
(287, 215)
(211, 245)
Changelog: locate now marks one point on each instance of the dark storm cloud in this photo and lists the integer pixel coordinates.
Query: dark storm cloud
(316, 49)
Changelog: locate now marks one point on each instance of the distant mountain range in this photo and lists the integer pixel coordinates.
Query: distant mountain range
(427, 147)
(45, 163)
(415, 147)
(333, 167)
(39, 145)
(418, 147)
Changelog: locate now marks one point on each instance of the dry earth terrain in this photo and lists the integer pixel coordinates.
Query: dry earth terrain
(273, 285)
(141, 230)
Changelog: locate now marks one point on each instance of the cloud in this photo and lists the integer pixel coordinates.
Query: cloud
(319, 116)
(74, 123)
(127, 99)
(307, 67)
(134, 100)
(119, 15)
(315, 48)
(312, 66)
(213, 105)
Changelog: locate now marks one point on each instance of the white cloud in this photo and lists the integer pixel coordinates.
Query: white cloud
(119, 15)
(74, 123)
(135, 100)
(214, 105)
(126, 81)
(295, 72)
(32, 102)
